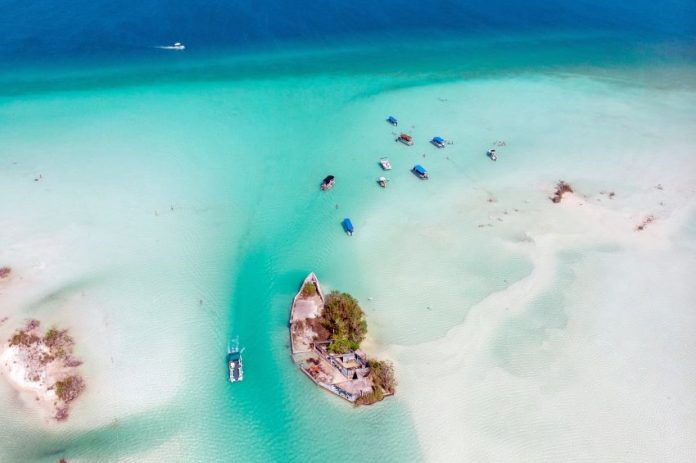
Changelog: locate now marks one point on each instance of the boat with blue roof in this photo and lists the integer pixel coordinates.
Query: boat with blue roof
(392, 120)
(348, 226)
(420, 172)
(438, 141)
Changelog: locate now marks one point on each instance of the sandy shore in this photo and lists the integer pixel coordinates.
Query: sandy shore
(503, 378)
(35, 395)
(41, 368)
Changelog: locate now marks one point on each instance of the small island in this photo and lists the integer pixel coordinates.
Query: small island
(325, 337)
(42, 365)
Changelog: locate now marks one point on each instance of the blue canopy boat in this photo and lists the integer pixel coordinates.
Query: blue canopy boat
(438, 141)
(392, 120)
(347, 226)
(420, 172)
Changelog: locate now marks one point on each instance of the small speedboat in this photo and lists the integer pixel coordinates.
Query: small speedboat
(348, 226)
(392, 120)
(382, 181)
(235, 363)
(438, 141)
(491, 154)
(176, 46)
(386, 165)
(405, 139)
(328, 182)
(420, 172)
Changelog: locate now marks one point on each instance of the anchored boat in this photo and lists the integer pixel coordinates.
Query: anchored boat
(406, 139)
(438, 141)
(328, 182)
(491, 154)
(384, 162)
(420, 172)
(382, 181)
(347, 226)
(234, 363)
(392, 120)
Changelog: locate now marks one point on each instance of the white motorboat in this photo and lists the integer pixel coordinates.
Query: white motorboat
(176, 46)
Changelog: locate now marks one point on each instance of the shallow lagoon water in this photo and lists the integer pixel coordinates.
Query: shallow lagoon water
(175, 213)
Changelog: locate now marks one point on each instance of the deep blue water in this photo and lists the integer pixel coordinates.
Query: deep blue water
(40, 30)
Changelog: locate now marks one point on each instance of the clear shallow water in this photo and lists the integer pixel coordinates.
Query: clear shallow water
(179, 206)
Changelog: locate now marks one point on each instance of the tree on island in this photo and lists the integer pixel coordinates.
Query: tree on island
(345, 320)
(383, 375)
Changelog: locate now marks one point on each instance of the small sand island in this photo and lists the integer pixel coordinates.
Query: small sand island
(41, 365)
(325, 337)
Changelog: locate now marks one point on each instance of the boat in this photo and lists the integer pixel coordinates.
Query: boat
(347, 226)
(328, 182)
(420, 172)
(491, 154)
(384, 162)
(438, 141)
(176, 46)
(405, 139)
(382, 182)
(392, 120)
(234, 363)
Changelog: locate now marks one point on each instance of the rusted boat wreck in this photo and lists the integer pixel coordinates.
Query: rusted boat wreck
(331, 361)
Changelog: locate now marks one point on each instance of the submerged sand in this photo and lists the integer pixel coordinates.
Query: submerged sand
(523, 330)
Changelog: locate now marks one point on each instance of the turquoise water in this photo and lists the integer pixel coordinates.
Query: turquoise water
(179, 207)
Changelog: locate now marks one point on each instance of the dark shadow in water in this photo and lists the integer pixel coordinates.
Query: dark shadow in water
(121, 438)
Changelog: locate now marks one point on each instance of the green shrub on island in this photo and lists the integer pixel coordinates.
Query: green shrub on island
(382, 373)
(69, 388)
(56, 339)
(383, 382)
(309, 290)
(345, 320)
(342, 345)
(373, 397)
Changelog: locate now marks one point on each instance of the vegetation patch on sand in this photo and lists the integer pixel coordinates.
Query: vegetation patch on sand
(561, 189)
(646, 221)
(43, 363)
(5, 272)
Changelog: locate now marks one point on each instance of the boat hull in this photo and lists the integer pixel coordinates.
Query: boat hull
(235, 365)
